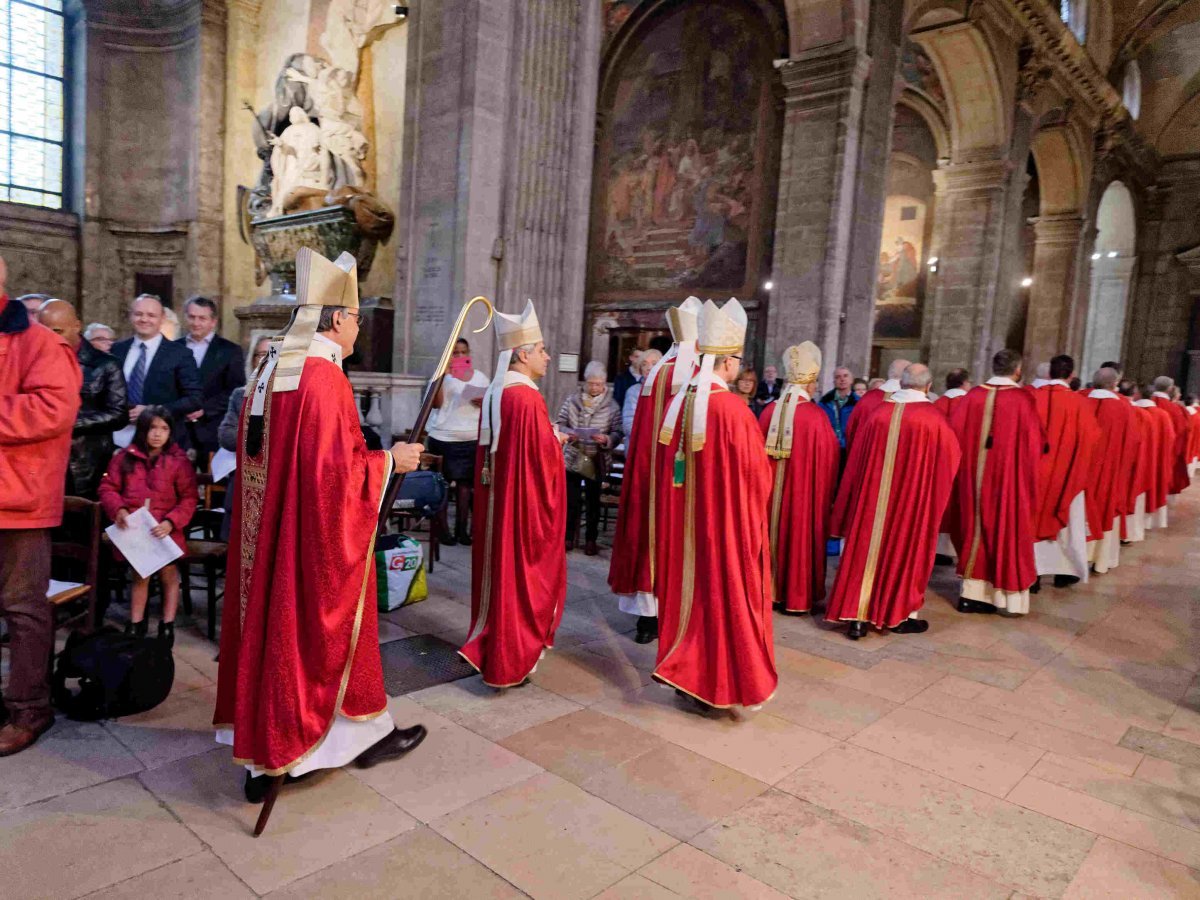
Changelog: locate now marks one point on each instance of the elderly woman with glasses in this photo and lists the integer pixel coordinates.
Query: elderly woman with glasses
(591, 420)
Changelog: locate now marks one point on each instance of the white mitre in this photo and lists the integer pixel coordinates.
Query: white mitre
(722, 332)
(801, 366)
(682, 320)
(512, 331)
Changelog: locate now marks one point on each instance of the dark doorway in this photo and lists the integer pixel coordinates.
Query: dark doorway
(160, 284)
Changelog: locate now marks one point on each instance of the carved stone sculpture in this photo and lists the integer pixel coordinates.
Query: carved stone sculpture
(300, 163)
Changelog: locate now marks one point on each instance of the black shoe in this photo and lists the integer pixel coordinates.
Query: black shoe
(137, 629)
(570, 546)
(256, 786)
(394, 746)
(1064, 581)
(857, 630)
(974, 606)
(446, 539)
(943, 560)
(166, 633)
(911, 626)
(462, 537)
(791, 612)
(695, 701)
(647, 630)
(1036, 587)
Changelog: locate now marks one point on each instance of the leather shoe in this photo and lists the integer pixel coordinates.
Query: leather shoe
(1062, 581)
(1036, 587)
(17, 736)
(394, 746)
(943, 559)
(857, 630)
(447, 539)
(974, 606)
(911, 626)
(256, 786)
(591, 549)
(647, 630)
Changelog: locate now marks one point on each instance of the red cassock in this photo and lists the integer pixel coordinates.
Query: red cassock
(867, 404)
(801, 497)
(1114, 462)
(1179, 421)
(299, 628)
(946, 406)
(894, 491)
(518, 560)
(1071, 433)
(1194, 422)
(631, 571)
(1156, 457)
(713, 571)
(1002, 443)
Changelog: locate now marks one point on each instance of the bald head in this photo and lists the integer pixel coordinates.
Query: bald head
(60, 317)
(1163, 384)
(146, 316)
(1106, 379)
(916, 377)
(896, 369)
(1043, 371)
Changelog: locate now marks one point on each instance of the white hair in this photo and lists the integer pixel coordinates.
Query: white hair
(896, 367)
(1043, 370)
(1164, 383)
(916, 376)
(652, 356)
(90, 331)
(595, 369)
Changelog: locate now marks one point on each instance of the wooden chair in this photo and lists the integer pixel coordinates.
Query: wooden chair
(75, 563)
(210, 556)
(408, 520)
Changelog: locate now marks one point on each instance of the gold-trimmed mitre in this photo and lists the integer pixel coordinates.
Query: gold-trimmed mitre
(722, 329)
(513, 331)
(802, 363)
(683, 320)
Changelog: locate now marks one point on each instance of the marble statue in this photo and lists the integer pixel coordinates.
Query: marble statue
(339, 113)
(350, 25)
(299, 162)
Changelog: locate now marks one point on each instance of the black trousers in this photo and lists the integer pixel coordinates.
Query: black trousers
(583, 491)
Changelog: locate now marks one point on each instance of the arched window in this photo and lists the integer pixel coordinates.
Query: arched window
(31, 102)
(1074, 16)
(1131, 89)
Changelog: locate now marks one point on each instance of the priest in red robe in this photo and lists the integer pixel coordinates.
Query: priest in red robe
(958, 383)
(1002, 443)
(1193, 411)
(1156, 462)
(1070, 428)
(1179, 421)
(894, 491)
(804, 456)
(631, 572)
(300, 683)
(713, 569)
(872, 399)
(1114, 465)
(519, 560)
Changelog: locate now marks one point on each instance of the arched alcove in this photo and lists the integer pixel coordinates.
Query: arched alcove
(1112, 267)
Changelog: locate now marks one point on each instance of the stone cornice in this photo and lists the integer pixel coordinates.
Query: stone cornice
(982, 176)
(822, 77)
(1062, 229)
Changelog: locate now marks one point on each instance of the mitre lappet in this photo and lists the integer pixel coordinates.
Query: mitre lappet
(512, 331)
(685, 329)
(721, 331)
(801, 366)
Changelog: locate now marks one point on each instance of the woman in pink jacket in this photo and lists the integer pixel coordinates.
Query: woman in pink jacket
(152, 472)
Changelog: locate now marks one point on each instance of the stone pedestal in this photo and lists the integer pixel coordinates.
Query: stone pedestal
(1055, 250)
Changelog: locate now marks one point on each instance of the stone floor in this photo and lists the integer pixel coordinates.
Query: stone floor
(1056, 755)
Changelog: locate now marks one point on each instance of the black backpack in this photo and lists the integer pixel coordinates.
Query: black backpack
(422, 492)
(119, 675)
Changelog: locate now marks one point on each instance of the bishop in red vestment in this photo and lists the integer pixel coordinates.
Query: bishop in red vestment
(1070, 429)
(804, 456)
(871, 400)
(1156, 462)
(958, 383)
(631, 571)
(1179, 421)
(300, 683)
(519, 560)
(1114, 465)
(713, 578)
(894, 491)
(1002, 443)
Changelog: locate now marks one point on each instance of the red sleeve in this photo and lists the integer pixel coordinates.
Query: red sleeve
(187, 491)
(764, 418)
(47, 400)
(112, 487)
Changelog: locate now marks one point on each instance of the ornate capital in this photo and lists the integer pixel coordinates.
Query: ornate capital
(980, 177)
(823, 77)
(1034, 75)
(1058, 230)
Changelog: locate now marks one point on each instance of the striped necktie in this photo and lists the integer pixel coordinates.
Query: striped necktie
(137, 378)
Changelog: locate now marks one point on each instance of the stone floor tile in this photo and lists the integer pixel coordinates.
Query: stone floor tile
(689, 872)
(804, 851)
(635, 887)
(551, 839)
(984, 671)
(389, 631)
(986, 718)
(420, 863)
(88, 840)
(198, 652)
(1162, 746)
(1113, 870)
(995, 838)
(962, 753)
(1184, 725)
(892, 679)
(621, 649)
(956, 686)
(1060, 711)
(189, 677)
(436, 615)
(765, 747)
(180, 726)
(199, 877)
(1080, 746)
(587, 678)
(826, 706)
(675, 790)
(451, 768)
(314, 824)
(70, 756)
(581, 744)
(492, 713)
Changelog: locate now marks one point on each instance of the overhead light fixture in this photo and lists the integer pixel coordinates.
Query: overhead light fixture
(1095, 256)
(933, 264)
(1112, 254)
(768, 285)
(1026, 282)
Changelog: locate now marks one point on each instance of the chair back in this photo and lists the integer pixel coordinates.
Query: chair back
(75, 545)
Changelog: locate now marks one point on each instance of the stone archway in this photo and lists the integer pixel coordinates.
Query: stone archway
(1112, 268)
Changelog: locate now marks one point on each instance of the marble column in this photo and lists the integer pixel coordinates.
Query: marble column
(1108, 302)
(823, 102)
(206, 235)
(969, 231)
(1056, 247)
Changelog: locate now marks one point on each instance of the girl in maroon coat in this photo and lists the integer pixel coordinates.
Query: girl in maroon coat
(154, 471)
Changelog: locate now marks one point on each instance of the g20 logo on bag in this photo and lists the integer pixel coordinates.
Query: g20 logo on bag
(401, 563)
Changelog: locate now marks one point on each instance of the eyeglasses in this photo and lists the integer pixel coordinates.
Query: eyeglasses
(357, 315)
(732, 356)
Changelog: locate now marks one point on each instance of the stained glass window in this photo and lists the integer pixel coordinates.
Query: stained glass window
(31, 102)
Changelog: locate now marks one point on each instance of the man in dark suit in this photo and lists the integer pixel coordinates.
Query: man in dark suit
(157, 371)
(222, 368)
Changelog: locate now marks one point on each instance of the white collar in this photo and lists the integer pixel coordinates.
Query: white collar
(511, 378)
(1145, 404)
(207, 339)
(1102, 394)
(908, 395)
(1046, 382)
(954, 392)
(328, 349)
(890, 386)
(1001, 381)
(1161, 394)
(151, 345)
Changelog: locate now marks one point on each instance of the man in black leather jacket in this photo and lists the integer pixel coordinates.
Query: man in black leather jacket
(104, 408)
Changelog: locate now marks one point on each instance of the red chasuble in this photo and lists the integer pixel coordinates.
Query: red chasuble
(299, 628)
(1179, 421)
(946, 405)
(801, 499)
(1114, 462)
(894, 491)
(713, 577)
(519, 557)
(1156, 458)
(631, 571)
(1002, 443)
(1063, 472)
(867, 404)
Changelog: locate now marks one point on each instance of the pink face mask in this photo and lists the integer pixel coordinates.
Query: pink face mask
(460, 366)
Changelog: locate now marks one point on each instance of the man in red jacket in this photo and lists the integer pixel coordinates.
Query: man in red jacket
(39, 397)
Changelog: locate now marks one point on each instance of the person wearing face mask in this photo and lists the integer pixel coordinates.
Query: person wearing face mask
(454, 436)
(591, 420)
